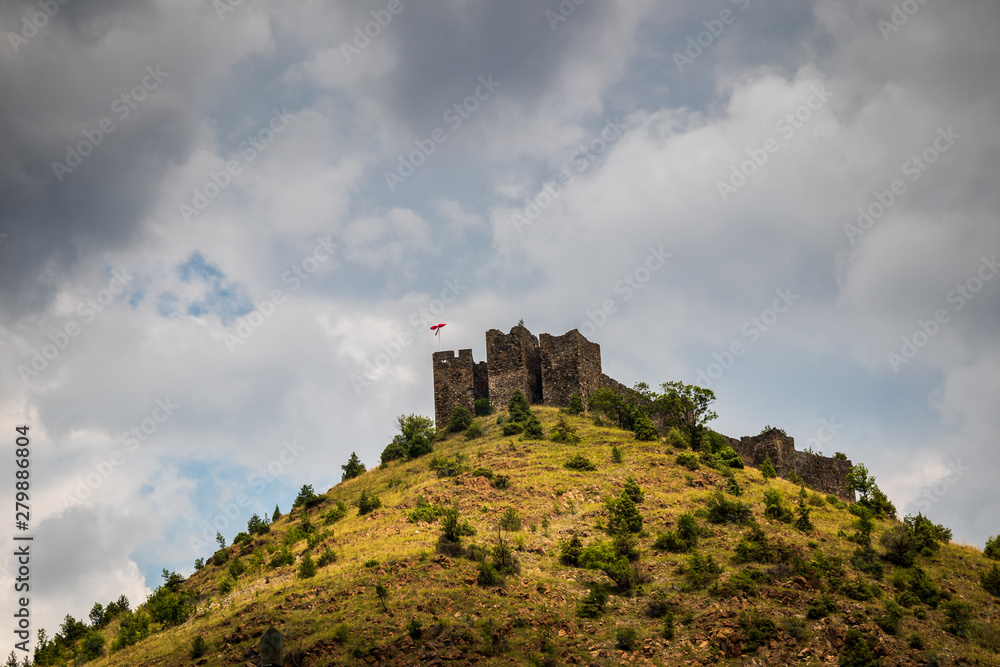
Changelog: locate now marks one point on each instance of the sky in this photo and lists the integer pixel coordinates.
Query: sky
(226, 227)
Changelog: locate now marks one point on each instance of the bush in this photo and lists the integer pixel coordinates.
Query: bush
(616, 454)
(626, 638)
(644, 429)
(959, 618)
(258, 526)
(564, 432)
(991, 580)
(594, 602)
(927, 536)
(415, 628)
(633, 491)
(702, 571)
(368, 503)
(992, 549)
(488, 575)
(668, 626)
(575, 406)
(723, 510)
(445, 467)
(670, 541)
(282, 557)
(623, 515)
(328, 556)
(452, 529)
(858, 589)
(307, 567)
(219, 557)
(580, 462)
(510, 520)
(412, 441)
(757, 630)
(570, 550)
(533, 429)
(802, 520)
(335, 513)
(198, 647)
(307, 497)
(677, 439)
(689, 461)
(91, 647)
(460, 419)
(482, 407)
(744, 581)
(900, 547)
(775, 508)
(236, 568)
(858, 650)
(474, 431)
(767, 468)
(922, 586)
(889, 622)
(518, 407)
(425, 512)
(754, 547)
(512, 428)
(341, 633)
(169, 607)
(821, 607)
(242, 538)
(353, 468)
(133, 627)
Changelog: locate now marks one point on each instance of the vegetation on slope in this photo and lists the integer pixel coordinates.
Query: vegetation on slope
(570, 541)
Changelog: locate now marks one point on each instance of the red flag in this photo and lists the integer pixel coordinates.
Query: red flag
(437, 329)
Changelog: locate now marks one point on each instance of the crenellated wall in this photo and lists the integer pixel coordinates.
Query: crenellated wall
(454, 383)
(514, 362)
(570, 364)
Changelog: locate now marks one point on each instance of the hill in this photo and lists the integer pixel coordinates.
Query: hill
(709, 577)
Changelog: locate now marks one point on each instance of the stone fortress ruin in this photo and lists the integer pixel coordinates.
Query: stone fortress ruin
(550, 369)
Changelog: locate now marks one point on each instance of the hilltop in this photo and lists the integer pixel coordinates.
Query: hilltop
(718, 572)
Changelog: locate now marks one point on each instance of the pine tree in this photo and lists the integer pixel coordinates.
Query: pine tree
(353, 468)
(277, 513)
(767, 468)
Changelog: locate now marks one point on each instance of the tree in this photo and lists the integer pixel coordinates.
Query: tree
(413, 440)
(257, 525)
(353, 468)
(992, 549)
(518, 406)
(871, 496)
(767, 468)
(575, 406)
(306, 498)
(307, 567)
(624, 516)
(686, 406)
(97, 618)
(277, 513)
(221, 540)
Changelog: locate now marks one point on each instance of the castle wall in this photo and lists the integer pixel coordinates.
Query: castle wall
(513, 361)
(822, 473)
(454, 383)
(570, 363)
(481, 380)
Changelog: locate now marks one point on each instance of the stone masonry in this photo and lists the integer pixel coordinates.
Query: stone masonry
(549, 369)
(823, 473)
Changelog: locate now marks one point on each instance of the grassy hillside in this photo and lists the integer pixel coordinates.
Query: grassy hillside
(433, 611)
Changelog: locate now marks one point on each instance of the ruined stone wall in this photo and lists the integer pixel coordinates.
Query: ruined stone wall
(454, 383)
(481, 380)
(822, 473)
(570, 363)
(513, 361)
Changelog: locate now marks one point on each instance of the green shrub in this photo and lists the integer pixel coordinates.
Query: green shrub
(669, 630)
(991, 580)
(219, 557)
(517, 406)
(570, 550)
(282, 557)
(775, 508)
(307, 567)
(992, 548)
(91, 646)
(644, 429)
(452, 529)
(767, 468)
(922, 586)
(802, 520)
(169, 607)
(482, 407)
(425, 512)
(889, 622)
(616, 454)
(500, 482)
(415, 628)
(958, 615)
(328, 556)
(460, 419)
(488, 575)
(623, 515)
(512, 428)
(533, 429)
(701, 571)
(858, 589)
(236, 568)
(198, 647)
(580, 462)
(626, 638)
(757, 630)
(916, 642)
(258, 526)
(594, 602)
(739, 582)
(372, 563)
(575, 406)
(335, 513)
(445, 467)
(670, 541)
(474, 431)
(368, 503)
(723, 510)
(858, 650)
(510, 520)
(564, 432)
(412, 441)
(133, 627)
(633, 491)
(733, 486)
(227, 585)
(306, 497)
(677, 439)
(341, 633)
(821, 607)
(754, 547)
(689, 461)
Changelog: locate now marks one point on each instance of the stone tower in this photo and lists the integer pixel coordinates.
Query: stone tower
(454, 383)
(514, 362)
(570, 363)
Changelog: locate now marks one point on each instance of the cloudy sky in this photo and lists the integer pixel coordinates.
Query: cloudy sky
(225, 228)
